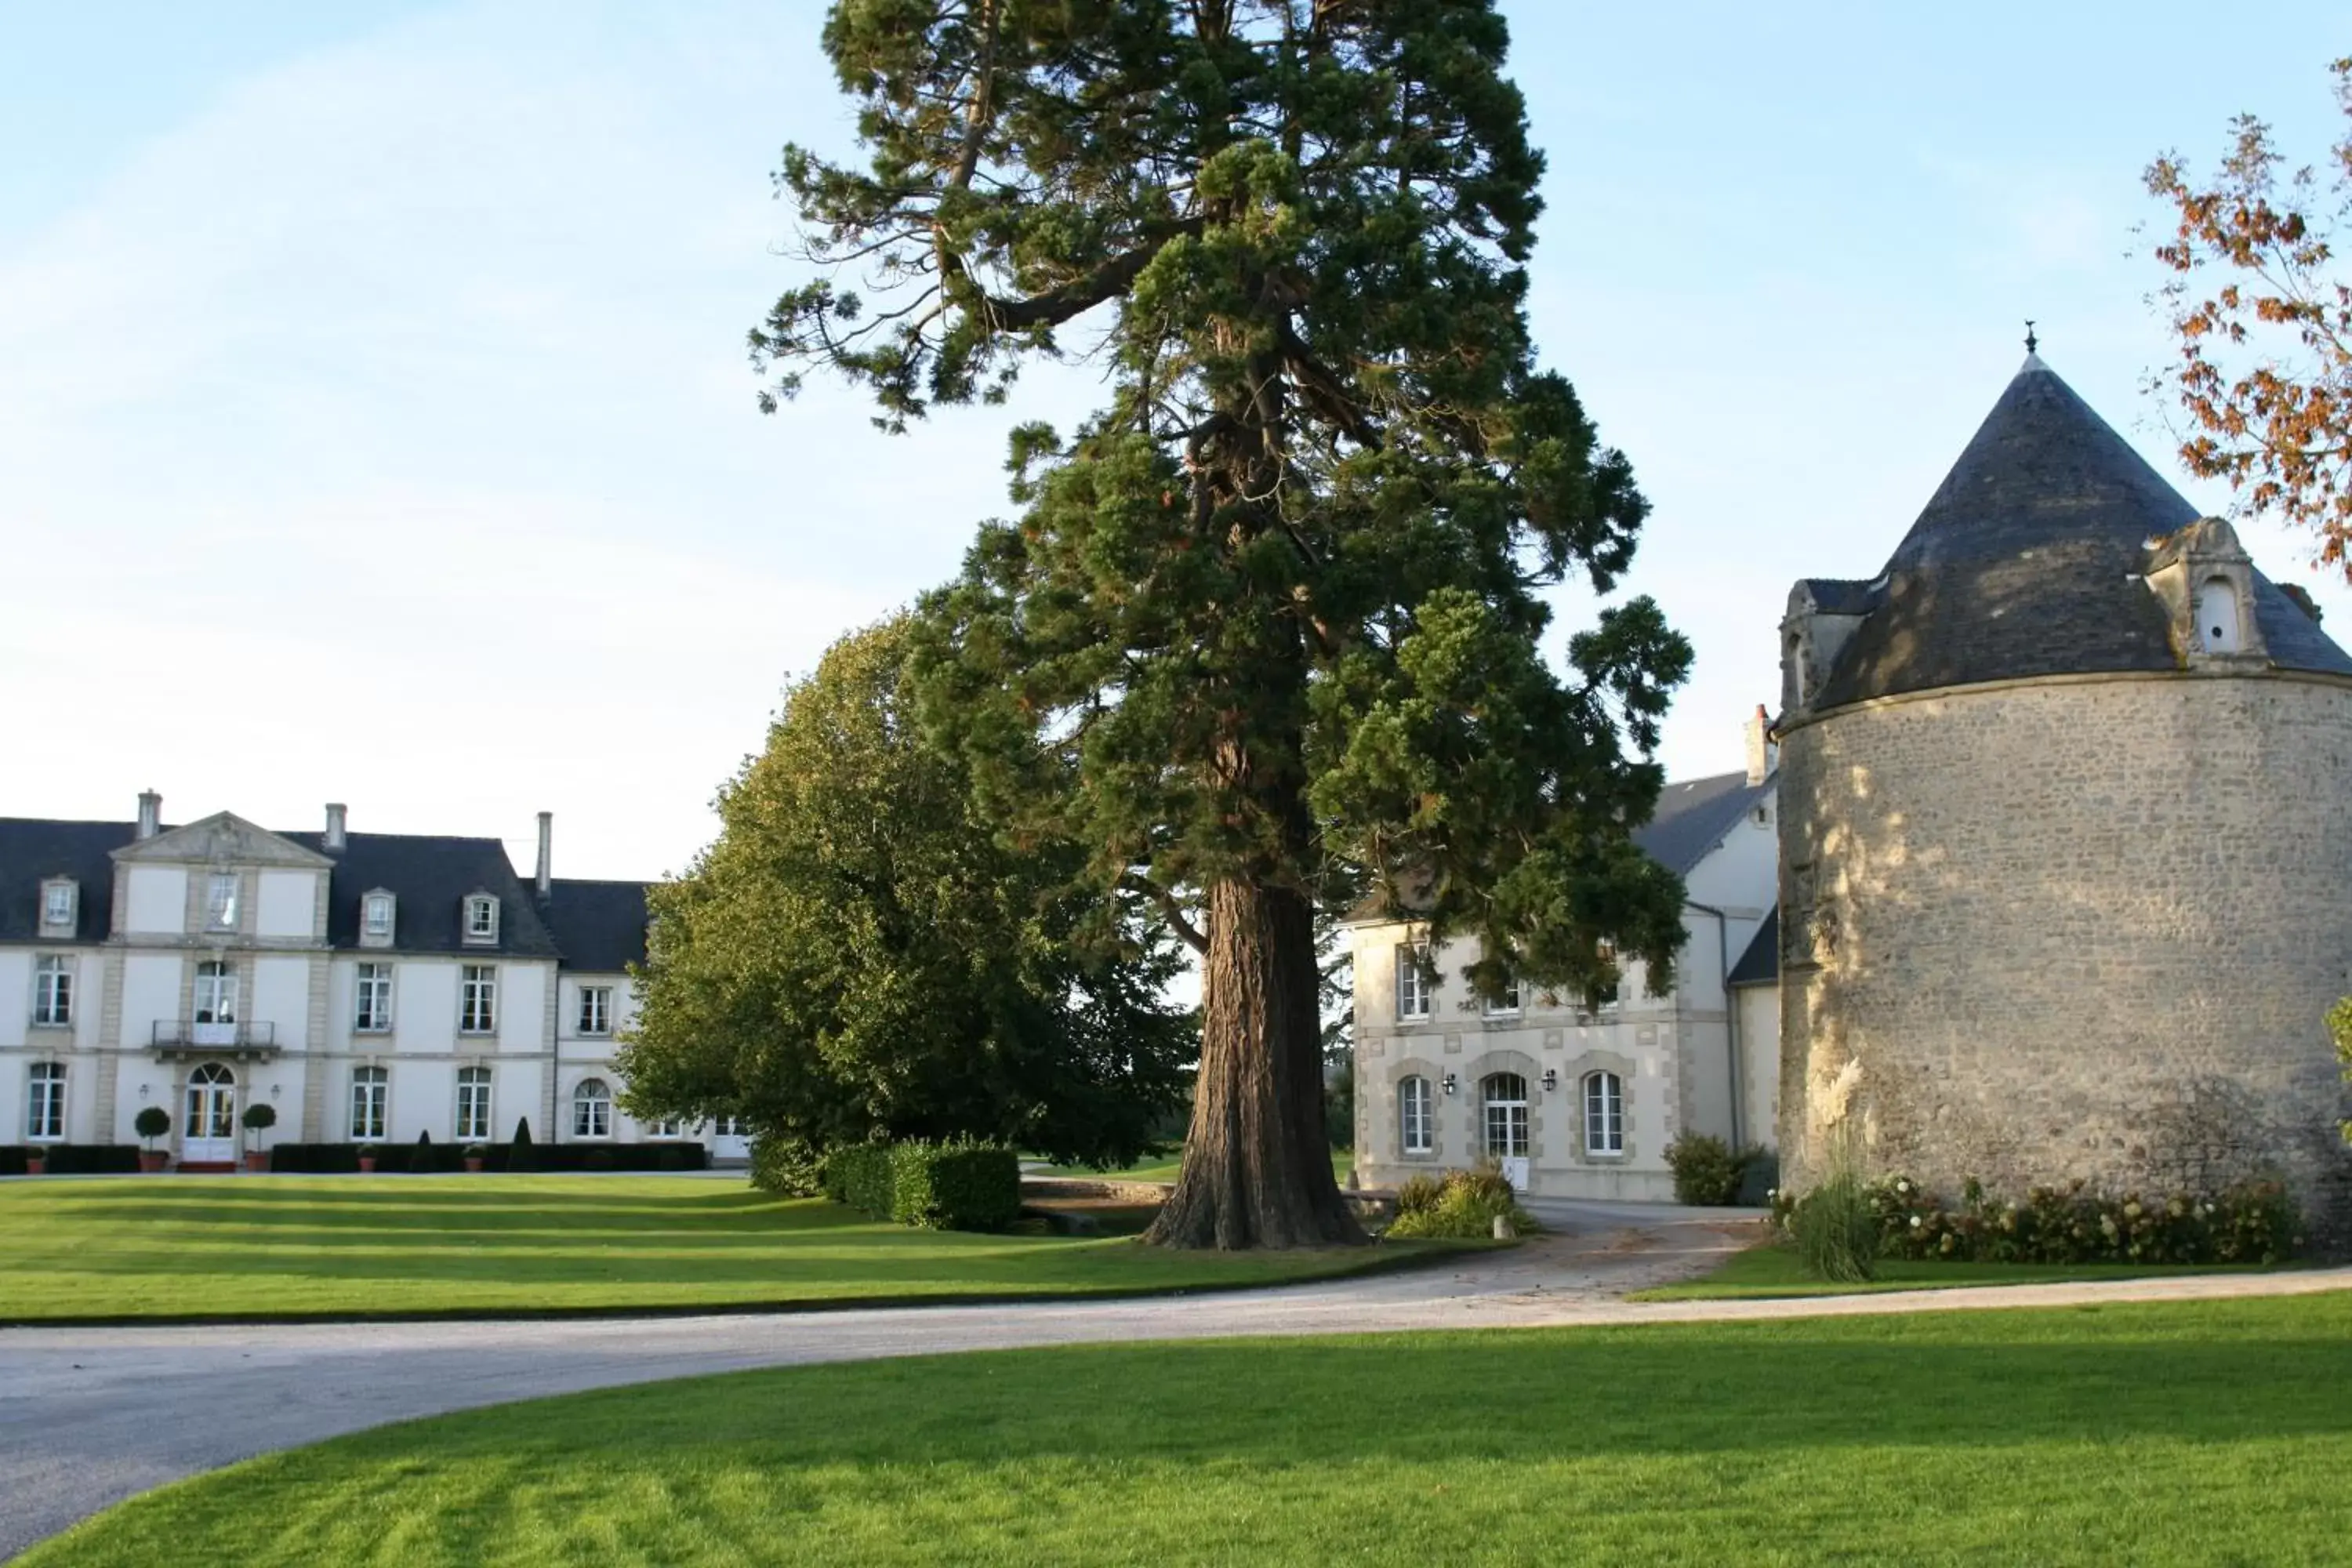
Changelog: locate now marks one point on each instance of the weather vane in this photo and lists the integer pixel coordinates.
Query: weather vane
(2032, 342)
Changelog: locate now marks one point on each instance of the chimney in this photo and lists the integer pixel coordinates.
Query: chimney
(546, 877)
(333, 838)
(151, 814)
(1760, 746)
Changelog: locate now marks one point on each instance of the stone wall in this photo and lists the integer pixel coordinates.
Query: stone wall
(2038, 931)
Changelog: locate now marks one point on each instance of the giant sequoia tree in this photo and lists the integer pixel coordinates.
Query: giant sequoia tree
(1274, 610)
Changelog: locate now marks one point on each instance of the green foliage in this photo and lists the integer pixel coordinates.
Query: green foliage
(423, 1159)
(861, 954)
(964, 1184)
(152, 1123)
(2251, 1222)
(1274, 615)
(70, 1159)
(792, 1167)
(1836, 1230)
(521, 1155)
(2339, 1029)
(259, 1116)
(1460, 1205)
(1706, 1172)
(1340, 1104)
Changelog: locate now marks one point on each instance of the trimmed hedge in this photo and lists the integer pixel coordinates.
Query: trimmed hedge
(792, 1167)
(960, 1185)
(330, 1159)
(74, 1159)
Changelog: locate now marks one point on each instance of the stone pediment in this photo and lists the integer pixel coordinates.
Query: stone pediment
(223, 838)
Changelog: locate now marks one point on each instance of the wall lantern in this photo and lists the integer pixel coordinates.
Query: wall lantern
(143, 1091)
(1449, 1086)
(1550, 1079)
(273, 1090)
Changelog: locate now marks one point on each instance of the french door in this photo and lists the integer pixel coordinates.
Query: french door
(208, 1136)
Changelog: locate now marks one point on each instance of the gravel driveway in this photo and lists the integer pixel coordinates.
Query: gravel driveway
(88, 1416)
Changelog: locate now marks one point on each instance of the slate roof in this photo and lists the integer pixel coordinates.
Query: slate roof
(428, 876)
(600, 926)
(2026, 562)
(1760, 964)
(33, 850)
(1693, 816)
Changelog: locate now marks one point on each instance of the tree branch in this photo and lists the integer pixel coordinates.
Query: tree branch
(1169, 907)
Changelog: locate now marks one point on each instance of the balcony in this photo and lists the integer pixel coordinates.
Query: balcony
(182, 1039)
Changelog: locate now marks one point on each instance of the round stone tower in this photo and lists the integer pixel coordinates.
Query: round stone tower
(2066, 863)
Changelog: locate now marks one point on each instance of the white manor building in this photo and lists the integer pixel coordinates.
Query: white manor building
(368, 986)
(1576, 1103)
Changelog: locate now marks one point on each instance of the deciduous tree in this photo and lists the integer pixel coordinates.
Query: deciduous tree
(2259, 303)
(860, 952)
(1268, 629)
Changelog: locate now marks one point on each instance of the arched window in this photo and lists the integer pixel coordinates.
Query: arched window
(1604, 1113)
(44, 1105)
(371, 1087)
(2217, 616)
(211, 1103)
(1412, 1116)
(591, 1109)
(1505, 1095)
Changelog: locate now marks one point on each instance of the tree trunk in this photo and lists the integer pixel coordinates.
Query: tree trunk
(1257, 1165)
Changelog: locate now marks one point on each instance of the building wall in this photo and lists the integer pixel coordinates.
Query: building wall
(2045, 931)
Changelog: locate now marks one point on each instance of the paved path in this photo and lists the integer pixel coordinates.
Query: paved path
(88, 1416)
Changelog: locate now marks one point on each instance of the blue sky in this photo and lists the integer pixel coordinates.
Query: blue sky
(375, 425)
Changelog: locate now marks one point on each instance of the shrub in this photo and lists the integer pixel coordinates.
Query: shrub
(260, 1116)
(1706, 1172)
(597, 1160)
(960, 1185)
(152, 1123)
(1461, 1206)
(421, 1161)
(72, 1158)
(792, 1167)
(670, 1159)
(2252, 1222)
(1836, 1230)
(326, 1158)
(520, 1156)
(317, 1159)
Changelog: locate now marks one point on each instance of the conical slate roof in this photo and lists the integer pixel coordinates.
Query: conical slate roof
(2026, 562)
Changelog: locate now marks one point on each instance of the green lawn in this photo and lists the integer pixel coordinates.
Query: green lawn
(1767, 1271)
(343, 1246)
(2153, 1435)
(1164, 1170)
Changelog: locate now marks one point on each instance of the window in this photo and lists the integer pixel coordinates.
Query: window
(1413, 1114)
(595, 1009)
(371, 1013)
(44, 1105)
(477, 999)
(215, 993)
(591, 1109)
(481, 918)
(371, 1087)
(1412, 983)
(2217, 615)
(1604, 1113)
(728, 1127)
(57, 905)
(667, 1127)
(1508, 1005)
(376, 916)
(53, 993)
(220, 902)
(473, 1104)
(1506, 1096)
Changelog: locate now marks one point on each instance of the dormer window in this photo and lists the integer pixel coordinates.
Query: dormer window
(59, 900)
(220, 902)
(481, 918)
(376, 916)
(2217, 616)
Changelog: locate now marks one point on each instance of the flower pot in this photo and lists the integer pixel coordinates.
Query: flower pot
(255, 1161)
(36, 1166)
(152, 1160)
(474, 1167)
(367, 1164)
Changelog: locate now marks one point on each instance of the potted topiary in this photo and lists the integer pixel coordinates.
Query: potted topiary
(258, 1118)
(367, 1159)
(475, 1156)
(151, 1123)
(37, 1160)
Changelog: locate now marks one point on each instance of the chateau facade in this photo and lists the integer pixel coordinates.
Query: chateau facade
(369, 987)
(1577, 1103)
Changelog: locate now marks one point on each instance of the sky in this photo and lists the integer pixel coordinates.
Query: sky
(375, 425)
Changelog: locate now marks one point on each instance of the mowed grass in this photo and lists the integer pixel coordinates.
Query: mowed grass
(1763, 1272)
(2204, 1433)
(190, 1247)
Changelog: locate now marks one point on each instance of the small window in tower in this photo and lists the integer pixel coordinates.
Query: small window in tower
(2217, 615)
